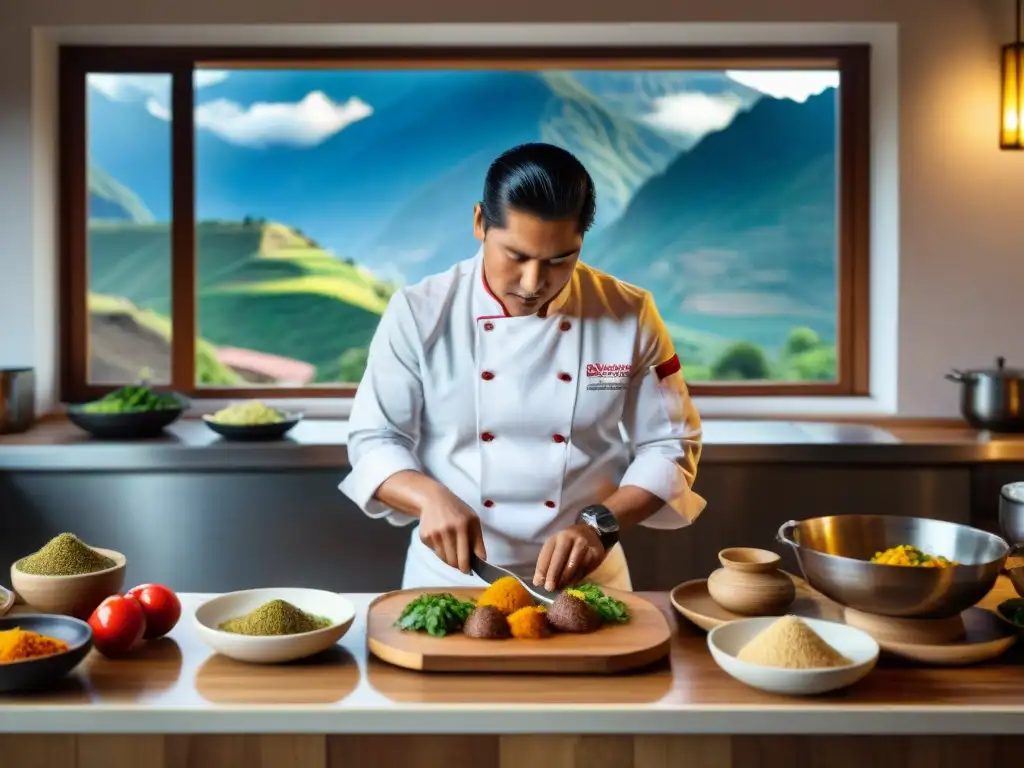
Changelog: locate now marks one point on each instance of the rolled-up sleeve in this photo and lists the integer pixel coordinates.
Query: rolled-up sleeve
(663, 426)
(385, 420)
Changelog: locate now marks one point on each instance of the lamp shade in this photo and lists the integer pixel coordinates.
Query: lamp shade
(1011, 128)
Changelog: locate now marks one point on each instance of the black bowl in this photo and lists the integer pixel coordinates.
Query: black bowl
(130, 425)
(255, 431)
(47, 671)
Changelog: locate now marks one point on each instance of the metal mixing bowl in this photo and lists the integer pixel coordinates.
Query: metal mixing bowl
(834, 555)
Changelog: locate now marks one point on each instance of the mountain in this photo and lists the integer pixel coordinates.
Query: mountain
(433, 227)
(366, 190)
(640, 94)
(261, 286)
(737, 236)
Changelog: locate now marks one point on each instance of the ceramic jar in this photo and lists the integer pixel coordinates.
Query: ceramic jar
(750, 583)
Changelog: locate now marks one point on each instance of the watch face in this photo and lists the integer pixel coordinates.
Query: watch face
(600, 518)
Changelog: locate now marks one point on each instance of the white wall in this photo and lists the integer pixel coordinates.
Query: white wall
(949, 201)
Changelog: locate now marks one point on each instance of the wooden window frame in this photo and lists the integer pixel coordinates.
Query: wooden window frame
(852, 61)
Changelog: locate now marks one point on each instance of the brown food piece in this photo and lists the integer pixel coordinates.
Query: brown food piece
(570, 614)
(486, 623)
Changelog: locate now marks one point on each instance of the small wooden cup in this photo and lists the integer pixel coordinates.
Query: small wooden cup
(750, 583)
(75, 596)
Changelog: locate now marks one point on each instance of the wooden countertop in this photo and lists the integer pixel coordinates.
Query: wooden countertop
(176, 685)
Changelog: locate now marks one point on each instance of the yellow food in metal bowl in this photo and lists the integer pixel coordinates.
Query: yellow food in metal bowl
(905, 554)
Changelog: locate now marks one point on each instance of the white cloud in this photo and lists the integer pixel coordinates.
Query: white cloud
(152, 86)
(303, 123)
(693, 113)
(798, 85)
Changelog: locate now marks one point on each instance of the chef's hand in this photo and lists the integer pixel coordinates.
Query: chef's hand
(450, 528)
(568, 555)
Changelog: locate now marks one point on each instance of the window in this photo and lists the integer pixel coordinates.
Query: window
(235, 221)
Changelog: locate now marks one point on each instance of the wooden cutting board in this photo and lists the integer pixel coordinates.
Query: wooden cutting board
(644, 640)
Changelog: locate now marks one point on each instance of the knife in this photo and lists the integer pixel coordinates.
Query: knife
(491, 573)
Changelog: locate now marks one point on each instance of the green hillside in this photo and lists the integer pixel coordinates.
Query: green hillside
(261, 286)
(209, 370)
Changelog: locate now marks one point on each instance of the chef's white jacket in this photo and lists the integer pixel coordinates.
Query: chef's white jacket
(522, 417)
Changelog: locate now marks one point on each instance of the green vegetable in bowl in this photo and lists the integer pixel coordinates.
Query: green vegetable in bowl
(436, 614)
(133, 399)
(610, 610)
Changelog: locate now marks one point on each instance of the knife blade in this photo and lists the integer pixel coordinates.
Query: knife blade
(491, 573)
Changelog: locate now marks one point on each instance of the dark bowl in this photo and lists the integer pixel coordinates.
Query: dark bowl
(255, 431)
(36, 674)
(131, 425)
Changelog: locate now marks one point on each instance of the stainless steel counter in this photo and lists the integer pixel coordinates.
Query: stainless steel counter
(320, 444)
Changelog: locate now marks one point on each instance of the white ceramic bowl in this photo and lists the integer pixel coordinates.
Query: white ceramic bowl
(277, 648)
(726, 640)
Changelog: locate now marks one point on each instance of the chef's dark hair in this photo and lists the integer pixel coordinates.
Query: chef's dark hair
(539, 179)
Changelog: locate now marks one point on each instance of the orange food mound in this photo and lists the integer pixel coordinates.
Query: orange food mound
(507, 594)
(529, 623)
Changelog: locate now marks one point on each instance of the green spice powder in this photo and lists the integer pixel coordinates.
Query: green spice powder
(64, 555)
(278, 617)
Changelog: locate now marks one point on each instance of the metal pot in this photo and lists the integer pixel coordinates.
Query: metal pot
(17, 400)
(1011, 515)
(992, 399)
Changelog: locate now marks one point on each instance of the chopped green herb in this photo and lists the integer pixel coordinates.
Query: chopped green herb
(436, 614)
(610, 610)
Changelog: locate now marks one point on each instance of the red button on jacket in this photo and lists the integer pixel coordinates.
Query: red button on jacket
(486, 437)
(565, 325)
(558, 438)
(486, 375)
(550, 504)
(488, 503)
(565, 377)
(488, 326)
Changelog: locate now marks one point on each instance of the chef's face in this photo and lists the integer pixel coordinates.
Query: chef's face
(529, 260)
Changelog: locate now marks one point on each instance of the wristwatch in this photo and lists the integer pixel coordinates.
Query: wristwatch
(598, 517)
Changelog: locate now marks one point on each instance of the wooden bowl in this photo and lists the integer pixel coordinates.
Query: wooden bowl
(75, 596)
(749, 560)
(750, 583)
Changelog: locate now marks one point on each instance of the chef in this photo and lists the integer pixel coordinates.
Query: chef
(496, 394)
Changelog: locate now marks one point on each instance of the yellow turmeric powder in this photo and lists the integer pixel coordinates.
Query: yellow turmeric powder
(507, 594)
(529, 623)
(18, 644)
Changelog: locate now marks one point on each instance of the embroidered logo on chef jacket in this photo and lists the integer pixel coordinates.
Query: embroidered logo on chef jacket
(601, 376)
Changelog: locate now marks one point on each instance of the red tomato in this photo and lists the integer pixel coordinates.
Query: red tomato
(118, 624)
(161, 606)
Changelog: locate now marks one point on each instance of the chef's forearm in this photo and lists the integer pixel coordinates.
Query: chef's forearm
(409, 492)
(631, 505)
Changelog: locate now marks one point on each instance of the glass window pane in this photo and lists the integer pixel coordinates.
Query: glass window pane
(129, 213)
(319, 192)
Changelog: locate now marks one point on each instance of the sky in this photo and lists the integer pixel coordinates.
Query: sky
(316, 117)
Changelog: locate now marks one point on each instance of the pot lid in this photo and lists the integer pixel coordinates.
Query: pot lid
(999, 372)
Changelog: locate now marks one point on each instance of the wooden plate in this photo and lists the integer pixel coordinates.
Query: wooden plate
(643, 640)
(985, 637)
(693, 601)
